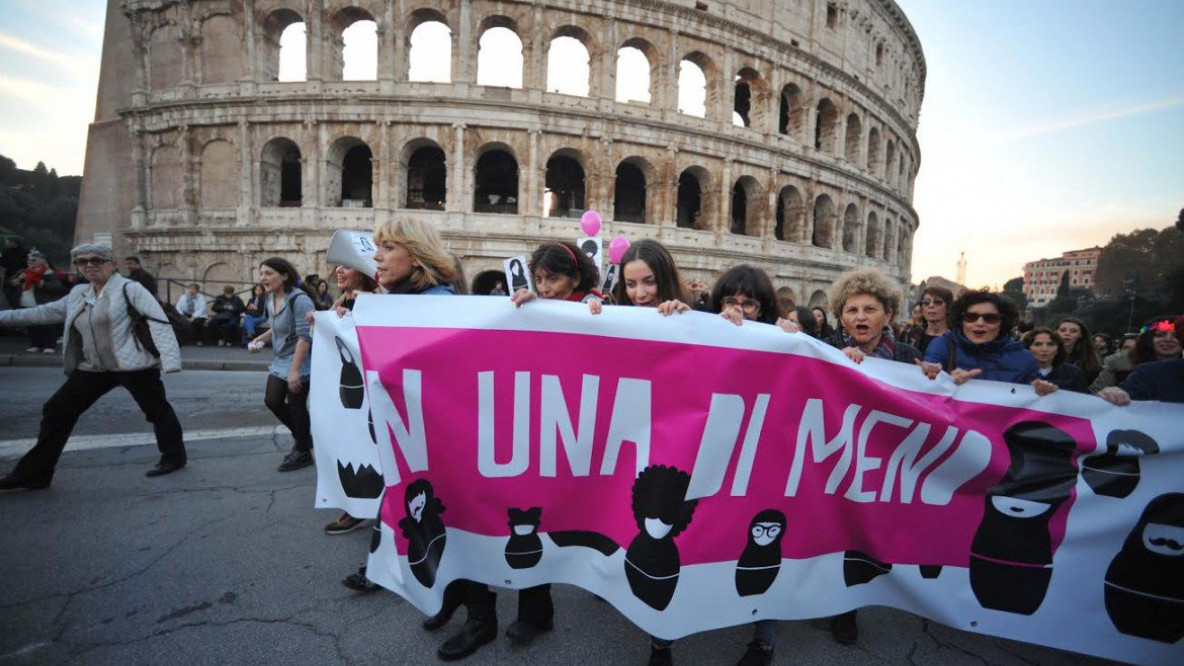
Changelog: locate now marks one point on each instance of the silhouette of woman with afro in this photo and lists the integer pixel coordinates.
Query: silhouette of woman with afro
(662, 513)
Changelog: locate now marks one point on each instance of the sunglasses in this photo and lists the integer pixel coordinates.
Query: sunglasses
(990, 317)
(89, 261)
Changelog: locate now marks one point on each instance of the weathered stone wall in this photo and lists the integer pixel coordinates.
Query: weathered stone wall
(192, 117)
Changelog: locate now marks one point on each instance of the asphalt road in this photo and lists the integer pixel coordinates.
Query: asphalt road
(225, 562)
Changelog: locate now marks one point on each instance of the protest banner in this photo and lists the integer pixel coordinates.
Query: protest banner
(699, 475)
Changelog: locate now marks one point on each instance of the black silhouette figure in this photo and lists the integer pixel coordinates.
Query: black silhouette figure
(860, 568)
(1011, 555)
(525, 548)
(930, 571)
(352, 392)
(760, 562)
(424, 530)
(662, 512)
(589, 248)
(1115, 473)
(610, 278)
(517, 276)
(370, 425)
(1145, 582)
(362, 482)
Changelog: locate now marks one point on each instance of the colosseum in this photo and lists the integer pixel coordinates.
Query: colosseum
(774, 132)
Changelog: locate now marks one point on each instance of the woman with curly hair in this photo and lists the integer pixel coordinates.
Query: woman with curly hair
(1079, 347)
(982, 346)
(560, 271)
(1049, 349)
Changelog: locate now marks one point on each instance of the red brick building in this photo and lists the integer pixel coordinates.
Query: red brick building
(1043, 277)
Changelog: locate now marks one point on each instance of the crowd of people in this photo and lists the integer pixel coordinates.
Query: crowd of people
(116, 333)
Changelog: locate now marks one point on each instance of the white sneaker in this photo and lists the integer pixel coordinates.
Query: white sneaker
(32, 350)
(48, 350)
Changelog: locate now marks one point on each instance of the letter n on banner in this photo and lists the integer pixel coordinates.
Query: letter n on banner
(410, 438)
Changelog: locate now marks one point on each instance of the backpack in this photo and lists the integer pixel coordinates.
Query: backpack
(141, 328)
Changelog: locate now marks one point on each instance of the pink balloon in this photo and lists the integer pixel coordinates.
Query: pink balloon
(616, 249)
(590, 222)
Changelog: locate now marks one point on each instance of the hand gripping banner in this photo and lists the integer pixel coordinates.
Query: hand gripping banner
(699, 475)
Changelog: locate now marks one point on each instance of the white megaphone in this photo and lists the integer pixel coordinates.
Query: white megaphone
(353, 249)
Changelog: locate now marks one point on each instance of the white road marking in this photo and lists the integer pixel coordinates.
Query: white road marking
(18, 447)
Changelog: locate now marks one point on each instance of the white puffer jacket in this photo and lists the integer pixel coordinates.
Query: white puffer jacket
(127, 351)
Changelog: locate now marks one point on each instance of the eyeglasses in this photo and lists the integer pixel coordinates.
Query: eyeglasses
(990, 317)
(82, 262)
(746, 306)
(932, 301)
(759, 530)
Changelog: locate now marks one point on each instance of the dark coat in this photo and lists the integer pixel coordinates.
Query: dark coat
(1158, 380)
(902, 351)
(1069, 377)
(1003, 359)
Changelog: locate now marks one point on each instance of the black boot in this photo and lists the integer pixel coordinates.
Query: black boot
(480, 626)
(535, 614)
(454, 596)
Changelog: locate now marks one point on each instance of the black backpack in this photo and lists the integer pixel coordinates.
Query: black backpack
(141, 328)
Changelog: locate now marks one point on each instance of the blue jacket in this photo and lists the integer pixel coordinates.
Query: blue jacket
(1001, 360)
(1158, 380)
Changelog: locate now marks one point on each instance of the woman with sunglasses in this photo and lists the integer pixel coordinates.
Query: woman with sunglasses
(935, 303)
(102, 351)
(982, 345)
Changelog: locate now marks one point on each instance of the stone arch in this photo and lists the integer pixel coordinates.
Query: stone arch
(630, 201)
(628, 58)
(164, 57)
(281, 181)
(854, 138)
(574, 44)
(485, 282)
(564, 184)
(428, 46)
(889, 158)
(750, 93)
(221, 50)
(889, 239)
(499, 53)
(851, 231)
(826, 125)
(746, 209)
(354, 52)
(423, 175)
(819, 299)
(873, 151)
(790, 224)
(824, 221)
(167, 178)
(873, 235)
(786, 298)
(218, 275)
(218, 183)
(695, 85)
(694, 198)
(496, 180)
(902, 240)
(792, 120)
(349, 174)
(275, 27)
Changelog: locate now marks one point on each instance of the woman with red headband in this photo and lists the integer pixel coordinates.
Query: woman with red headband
(561, 272)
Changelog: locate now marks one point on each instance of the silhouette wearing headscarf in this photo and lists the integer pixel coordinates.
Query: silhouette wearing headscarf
(1145, 582)
(424, 531)
(760, 562)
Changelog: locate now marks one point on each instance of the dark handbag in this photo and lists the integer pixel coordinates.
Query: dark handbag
(141, 328)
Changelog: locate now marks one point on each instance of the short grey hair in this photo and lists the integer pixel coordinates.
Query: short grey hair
(103, 251)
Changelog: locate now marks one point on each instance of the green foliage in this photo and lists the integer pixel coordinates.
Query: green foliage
(1146, 255)
(40, 207)
(1014, 289)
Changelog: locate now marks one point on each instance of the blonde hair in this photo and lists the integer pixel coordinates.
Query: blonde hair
(870, 282)
(433, 264)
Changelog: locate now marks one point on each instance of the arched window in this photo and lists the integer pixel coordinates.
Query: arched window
(873, 236)
(499, 58)
(168, 178)
(746, 207)
(358, 59)
(747, 99)
(497, 182)
(889, 161)
(280, 179)
(221, 50)
(792, 118)
(873, 151)
(164, 57)
(818, 299)
(824, 221)
(854, 138)
(791, 215)
(427, 177)
(825, 126)
(430, 52)
(629, 198)
(889, 239)
(634, 75)
(219, 184)
(284, 47)
(348, 175)
(692, 184)
(851, 228)
(564, 193)
(692, 89)
(567, 67)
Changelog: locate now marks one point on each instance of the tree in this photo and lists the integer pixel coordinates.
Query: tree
(1014, 289)
(1147, 254)
(1180, 220)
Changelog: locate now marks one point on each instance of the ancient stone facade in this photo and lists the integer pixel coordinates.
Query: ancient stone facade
(803, 161)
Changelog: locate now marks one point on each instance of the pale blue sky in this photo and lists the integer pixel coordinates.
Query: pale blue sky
(1047, 125)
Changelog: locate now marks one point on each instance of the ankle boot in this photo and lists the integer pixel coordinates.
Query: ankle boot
(535, 614)
(480, 625)
(453, 598)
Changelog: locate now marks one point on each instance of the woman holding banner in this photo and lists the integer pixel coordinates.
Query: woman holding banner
(649, 278)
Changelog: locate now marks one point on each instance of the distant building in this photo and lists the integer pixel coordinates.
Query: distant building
(934, 281)
(1042, 278)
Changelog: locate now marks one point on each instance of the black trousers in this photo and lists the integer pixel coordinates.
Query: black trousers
(80, 391)
(43, 337)
(291, 409)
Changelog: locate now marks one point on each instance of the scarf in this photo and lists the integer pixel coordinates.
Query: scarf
(885, 348)
(406, 286)
(33, 277)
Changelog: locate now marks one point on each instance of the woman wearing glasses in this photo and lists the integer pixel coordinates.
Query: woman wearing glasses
(981, 345)
(101, 352)
(746, 293)
(935, 303)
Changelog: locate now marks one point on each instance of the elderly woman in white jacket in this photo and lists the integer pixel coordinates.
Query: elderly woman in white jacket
(101, 351)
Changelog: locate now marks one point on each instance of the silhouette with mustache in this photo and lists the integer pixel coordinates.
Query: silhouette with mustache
(1145, 581)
